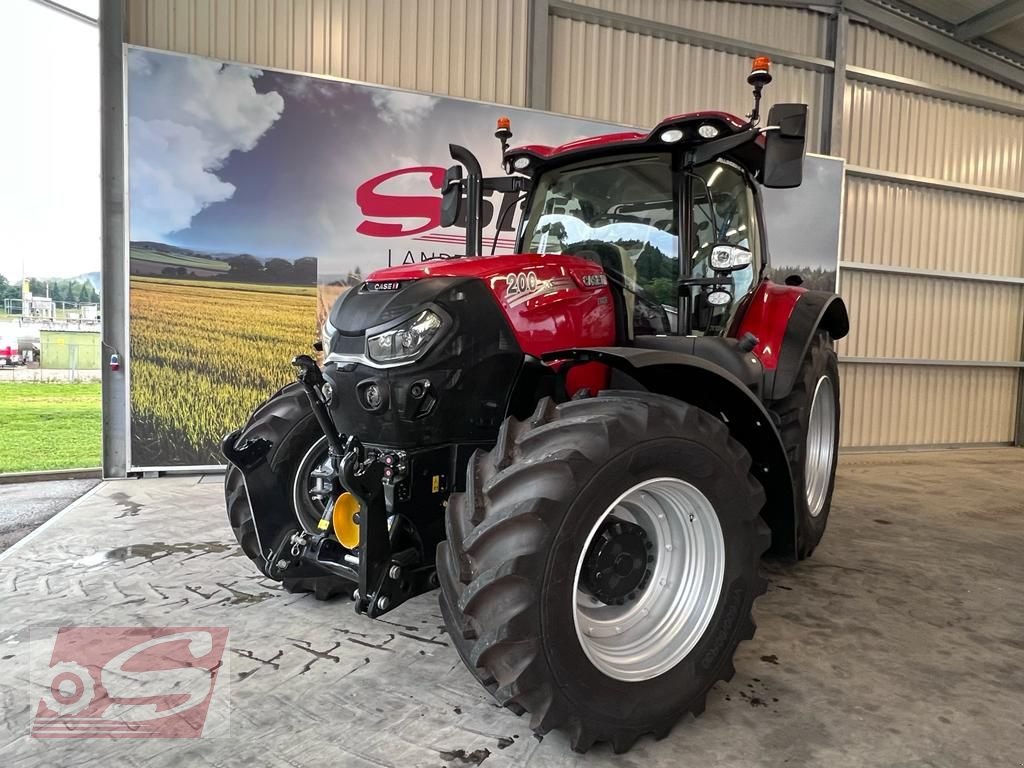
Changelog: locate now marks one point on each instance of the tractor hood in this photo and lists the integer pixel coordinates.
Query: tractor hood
(453, 390)
(380, 300)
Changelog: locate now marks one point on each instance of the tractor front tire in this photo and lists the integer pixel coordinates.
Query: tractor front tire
(287, 421)
(809, 425)
(576, 615)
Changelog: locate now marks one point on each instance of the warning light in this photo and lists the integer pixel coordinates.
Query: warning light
(503, 134)
(115, 362)
(760, 72)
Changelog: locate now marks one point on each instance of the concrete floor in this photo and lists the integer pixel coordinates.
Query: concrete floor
(26, 506)
(901, 643)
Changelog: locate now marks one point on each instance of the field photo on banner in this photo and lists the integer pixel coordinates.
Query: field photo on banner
(257, 197)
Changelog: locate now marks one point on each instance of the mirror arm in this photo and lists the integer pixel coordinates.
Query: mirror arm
(473, 185)
(706, 152)
(506, 184)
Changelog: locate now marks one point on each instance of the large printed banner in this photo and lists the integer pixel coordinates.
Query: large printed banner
(257, 197)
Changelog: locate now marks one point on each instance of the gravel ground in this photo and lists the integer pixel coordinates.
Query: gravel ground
(25, 506)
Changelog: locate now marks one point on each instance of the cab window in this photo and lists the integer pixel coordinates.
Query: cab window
(723, 212)
(621, 214)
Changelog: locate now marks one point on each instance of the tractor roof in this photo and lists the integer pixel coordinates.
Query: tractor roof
(676, 131)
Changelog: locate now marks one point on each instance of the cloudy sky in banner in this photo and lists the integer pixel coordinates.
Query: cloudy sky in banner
(231, 159)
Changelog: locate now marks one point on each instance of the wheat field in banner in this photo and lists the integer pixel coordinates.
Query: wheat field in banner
(203, 355)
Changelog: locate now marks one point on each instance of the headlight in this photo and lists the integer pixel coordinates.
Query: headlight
(326, 332)
(406, 341)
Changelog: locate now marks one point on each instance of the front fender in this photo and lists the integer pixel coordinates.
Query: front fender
(713, 389)
(269, 504)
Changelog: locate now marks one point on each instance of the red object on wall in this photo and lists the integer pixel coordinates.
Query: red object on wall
(767, 317)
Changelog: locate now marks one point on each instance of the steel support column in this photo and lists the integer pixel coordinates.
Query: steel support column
(114, 269)
(833, 120)
(538, 50)
(1018, 435)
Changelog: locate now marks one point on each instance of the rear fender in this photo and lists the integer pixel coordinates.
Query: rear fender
(814, 311)
(715, 390)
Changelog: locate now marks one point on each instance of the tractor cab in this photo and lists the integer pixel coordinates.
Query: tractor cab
(672, 215)
(627, 212)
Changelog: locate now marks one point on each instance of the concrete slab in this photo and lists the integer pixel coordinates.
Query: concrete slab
(901, 643)
(25, 506)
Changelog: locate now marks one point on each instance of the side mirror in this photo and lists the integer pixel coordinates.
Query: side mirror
(730, 258)
(451, 195)
(785, 141)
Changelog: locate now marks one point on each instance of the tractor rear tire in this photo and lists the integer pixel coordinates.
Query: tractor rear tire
(288, 423)
(809, 425)
(518, 549)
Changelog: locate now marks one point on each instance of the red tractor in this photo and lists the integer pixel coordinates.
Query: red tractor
(588, 445)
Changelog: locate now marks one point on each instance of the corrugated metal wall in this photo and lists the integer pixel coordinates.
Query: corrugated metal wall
(904, 405)
(916, 227)
(909, 225)
(919, 135)
(898, 222)
(625, 77)
(876, 50)
(797, 30)
(470, 48)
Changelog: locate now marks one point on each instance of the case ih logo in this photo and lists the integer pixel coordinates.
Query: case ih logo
(129, 682)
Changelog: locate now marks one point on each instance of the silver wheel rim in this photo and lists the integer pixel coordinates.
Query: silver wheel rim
(651, 634)
(309, 508)
(821, 445)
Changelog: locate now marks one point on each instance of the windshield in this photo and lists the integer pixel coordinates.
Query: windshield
(620, 213)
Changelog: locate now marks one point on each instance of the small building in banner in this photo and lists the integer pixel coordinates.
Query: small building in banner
(69, 350)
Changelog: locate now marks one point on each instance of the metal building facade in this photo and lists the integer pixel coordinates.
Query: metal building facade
(933, 238)
(470, 48)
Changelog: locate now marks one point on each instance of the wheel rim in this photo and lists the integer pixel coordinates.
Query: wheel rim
(821, 445)
(305, 488)
(649, 635)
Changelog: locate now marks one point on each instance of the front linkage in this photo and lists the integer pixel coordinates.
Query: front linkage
(385, 574)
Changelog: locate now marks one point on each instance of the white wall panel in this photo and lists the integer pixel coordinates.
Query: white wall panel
(897, 405)
(471, 48)
(904, 225)
(626, 77)
(904, 132)
(876, 50)
(793, 29)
